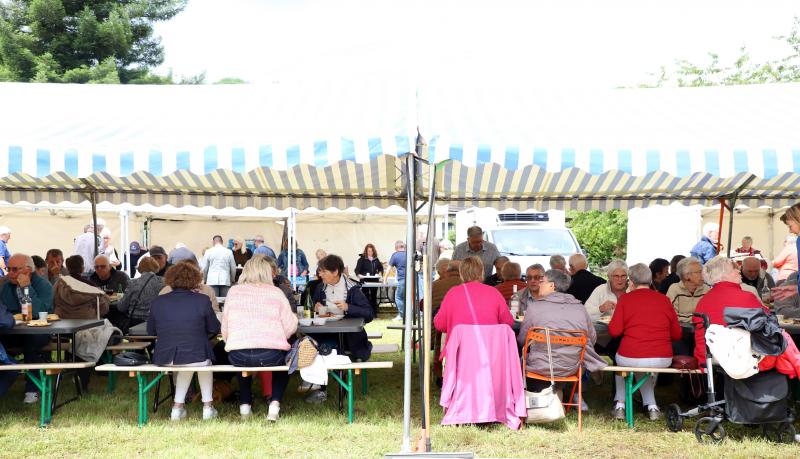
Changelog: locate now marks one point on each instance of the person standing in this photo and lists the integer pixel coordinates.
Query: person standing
(398, 262)
(5, 235)
(180, 253)
(706, 247)
(262, 248)
(475, 246)
(88, 246)
(368, 265)
(301, 262)
(108, 248)
(786, 261)
(219, 267)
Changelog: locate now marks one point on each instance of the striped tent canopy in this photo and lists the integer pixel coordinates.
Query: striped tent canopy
(579, 149)
(213, 145)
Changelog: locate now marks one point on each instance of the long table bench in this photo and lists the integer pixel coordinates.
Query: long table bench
(631, 387)
(42, 376)
(145, 385)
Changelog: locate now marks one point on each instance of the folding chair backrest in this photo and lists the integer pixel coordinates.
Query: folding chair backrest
(558, 337)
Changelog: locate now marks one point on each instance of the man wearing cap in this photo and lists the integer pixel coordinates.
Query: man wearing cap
(262, 248)
(5, 235)
(160, 255)
(180, 253)
(136, 252)
(87, 244)
(475, 246)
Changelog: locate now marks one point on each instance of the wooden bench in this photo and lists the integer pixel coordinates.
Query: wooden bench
(42, 376)
(112, 349)
(146, 385)
(631, 386)
(385, 348)
(374, 335)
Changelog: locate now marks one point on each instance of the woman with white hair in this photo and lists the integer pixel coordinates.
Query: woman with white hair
(109, 250)
(685, 294)
(647, 323)
(604, 298)
(726, 292)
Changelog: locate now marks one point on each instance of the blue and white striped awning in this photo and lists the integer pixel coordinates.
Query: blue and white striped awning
(337, 145)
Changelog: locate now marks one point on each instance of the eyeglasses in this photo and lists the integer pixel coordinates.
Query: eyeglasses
(14, 269)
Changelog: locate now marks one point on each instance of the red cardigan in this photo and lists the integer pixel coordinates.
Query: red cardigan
(647, 322)
(722, 295)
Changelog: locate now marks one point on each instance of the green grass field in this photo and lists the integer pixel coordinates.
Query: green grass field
(105, 425)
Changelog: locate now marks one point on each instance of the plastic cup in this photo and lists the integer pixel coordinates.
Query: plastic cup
(43, 316)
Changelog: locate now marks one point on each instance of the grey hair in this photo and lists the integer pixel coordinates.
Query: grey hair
(4, 230)
(560, 279)
(709, 227)
(399, 244)
(683, 266)
(442, 264)
(748, 238)
(535, 266)
(28, 260)
(640, 274)
(453, 266)
(716, 268)
(615, 265)
(102, 257)
(474, 231)
(557, 260)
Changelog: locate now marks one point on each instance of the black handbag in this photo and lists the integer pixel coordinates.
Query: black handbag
(130, 359)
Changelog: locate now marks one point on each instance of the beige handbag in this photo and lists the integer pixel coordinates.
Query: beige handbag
(544, 406)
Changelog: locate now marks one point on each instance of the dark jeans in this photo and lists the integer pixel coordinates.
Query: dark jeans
(31, 348)
(220, 290)
(260, 358)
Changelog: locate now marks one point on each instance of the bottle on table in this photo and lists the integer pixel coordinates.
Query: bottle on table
(301, 311)
(514, 303)
(26, 305)
(766, 294)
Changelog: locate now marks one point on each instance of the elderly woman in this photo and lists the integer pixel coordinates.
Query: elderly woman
(726, 292)
(183, 320)
(647, 323)
(604, 297)
(134, 307)
(533, 279)
(685, 295)
(512, 275)
(558, 309)
(256, 325)
(75, 298)
(473, 302)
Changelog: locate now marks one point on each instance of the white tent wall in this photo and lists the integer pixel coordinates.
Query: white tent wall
(756, 224)
(661, 232)
(196, 234)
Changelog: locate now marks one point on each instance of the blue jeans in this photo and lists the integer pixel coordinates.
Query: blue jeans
(31, 348)
(260, 358)
(400, 296)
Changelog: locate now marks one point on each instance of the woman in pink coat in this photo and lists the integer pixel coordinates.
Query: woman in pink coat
(473, 302)
(786, 261)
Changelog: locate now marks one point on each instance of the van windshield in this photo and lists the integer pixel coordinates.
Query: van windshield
(534, 241)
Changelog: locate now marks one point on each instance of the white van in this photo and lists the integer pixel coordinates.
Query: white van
(524, 237)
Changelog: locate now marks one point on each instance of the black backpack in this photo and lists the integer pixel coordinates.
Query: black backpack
(129, 359)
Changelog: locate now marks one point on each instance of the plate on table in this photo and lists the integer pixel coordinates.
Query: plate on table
(36, 323)
(605, 319)
(331, 317)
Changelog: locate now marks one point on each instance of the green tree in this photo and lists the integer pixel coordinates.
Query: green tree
(741, 71)
(71, 41)
(604, 235)
(231, 80)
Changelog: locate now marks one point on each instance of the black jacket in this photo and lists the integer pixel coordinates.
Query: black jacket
(183, 321)
(364, 266)
(667, 282)
(357, 306)
(583, 284)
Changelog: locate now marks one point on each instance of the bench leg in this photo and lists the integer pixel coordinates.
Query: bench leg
(112, 376)
(630, 389)
(364, 382)
(44, 383)
(348, 387)
(144, 388)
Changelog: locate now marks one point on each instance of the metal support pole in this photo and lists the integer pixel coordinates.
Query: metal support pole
(93, 200)
(291, 251)
(409, 309)
(722, 206)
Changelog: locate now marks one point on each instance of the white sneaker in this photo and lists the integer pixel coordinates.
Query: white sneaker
(398, 318)
(245, 410)
(274, 411)
(177, 413)
(31, 397)
(209, 413)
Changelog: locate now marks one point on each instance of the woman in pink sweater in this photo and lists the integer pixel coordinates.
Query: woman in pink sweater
(472, 303)
(256, 324)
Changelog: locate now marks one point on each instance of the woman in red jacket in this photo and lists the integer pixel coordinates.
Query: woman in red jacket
(648, 324)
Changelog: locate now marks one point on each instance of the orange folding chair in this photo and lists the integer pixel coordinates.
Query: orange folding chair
(559, 338)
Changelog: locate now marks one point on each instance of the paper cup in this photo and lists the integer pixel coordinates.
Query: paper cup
(43, 316)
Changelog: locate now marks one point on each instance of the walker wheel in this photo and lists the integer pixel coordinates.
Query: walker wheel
(674, 418)
(783, 432)
(709, 430)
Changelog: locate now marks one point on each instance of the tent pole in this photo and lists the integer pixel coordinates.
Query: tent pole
(123, 240)
(722, 206)
(409, 307)
(428, 295)
(93, 200)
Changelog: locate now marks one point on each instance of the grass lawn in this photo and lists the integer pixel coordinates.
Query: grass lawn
(105, 425)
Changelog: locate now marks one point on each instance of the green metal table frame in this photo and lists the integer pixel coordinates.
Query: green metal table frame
(630, 388)
(44, 382)
(145, 385)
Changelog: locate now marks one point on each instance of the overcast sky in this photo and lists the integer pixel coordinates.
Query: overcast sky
(548, 43)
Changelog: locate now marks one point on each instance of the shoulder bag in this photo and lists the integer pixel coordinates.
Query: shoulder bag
(91, 343)
(544, 406)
